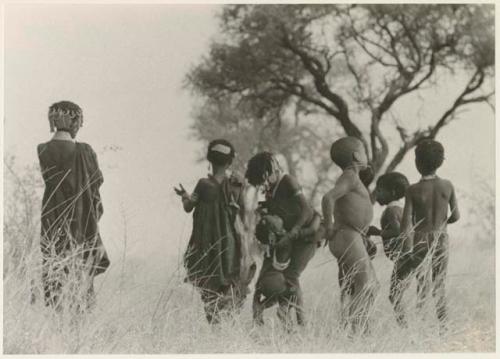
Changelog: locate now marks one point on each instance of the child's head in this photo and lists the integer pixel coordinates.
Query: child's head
(391, 187)
(269, 229)
(271, 284)
(429, 156)
(263, 168)
(65, 116)
(220, 153)
(348, 151)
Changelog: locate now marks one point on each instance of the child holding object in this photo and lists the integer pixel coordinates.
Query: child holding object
(284, 199)
(349, 205)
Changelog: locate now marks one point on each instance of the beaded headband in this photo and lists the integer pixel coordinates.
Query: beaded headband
(64, 118)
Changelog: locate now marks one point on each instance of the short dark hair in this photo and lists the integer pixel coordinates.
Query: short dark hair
(258, 166)
(218, 158)
(394, 181)
(429, 156)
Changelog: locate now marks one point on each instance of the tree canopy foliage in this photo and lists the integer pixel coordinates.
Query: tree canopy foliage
(280, 68)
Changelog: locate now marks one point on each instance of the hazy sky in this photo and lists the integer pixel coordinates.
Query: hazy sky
(125, 65)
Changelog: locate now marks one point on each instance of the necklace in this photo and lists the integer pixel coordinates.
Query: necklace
(428, 177)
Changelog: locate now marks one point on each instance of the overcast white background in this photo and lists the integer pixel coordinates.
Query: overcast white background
(125, 65)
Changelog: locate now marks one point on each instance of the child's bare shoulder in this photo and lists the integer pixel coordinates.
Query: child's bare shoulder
(347, 176)
(445, 182)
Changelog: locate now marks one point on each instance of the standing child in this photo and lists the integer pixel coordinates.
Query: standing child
(284, 199)
(72, 248)
(426, 215)
(215, 250)
(391, 187)
(350, 205)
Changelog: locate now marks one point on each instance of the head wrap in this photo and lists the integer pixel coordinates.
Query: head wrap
(65, 115)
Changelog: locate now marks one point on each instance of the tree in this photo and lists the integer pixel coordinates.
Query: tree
(289, 67)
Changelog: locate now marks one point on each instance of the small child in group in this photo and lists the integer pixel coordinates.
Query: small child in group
(271, 286)
(391, 187)
(425, 218)
(350, 206)
(295, 248)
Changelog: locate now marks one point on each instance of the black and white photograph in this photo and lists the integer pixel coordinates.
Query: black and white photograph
(248, 178)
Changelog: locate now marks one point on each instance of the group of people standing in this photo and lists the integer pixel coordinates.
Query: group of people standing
(218, 260)
(290, 230)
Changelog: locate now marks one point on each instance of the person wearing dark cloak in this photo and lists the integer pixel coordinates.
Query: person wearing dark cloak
(214, 257)
(72, 249)
(284, 199)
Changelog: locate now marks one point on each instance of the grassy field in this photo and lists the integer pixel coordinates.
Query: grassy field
(143, 306)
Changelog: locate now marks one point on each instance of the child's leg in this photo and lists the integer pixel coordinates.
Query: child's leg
(210, 301)
(399, 283)
(421, 263)
(350, 251)
(257, 309)
(302, 252)
(346, 291)
(298, 302)
(286, 303)
(439, 268)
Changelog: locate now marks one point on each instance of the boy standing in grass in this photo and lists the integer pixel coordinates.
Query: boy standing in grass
(350, 205)
(425, 218)
(391, 187)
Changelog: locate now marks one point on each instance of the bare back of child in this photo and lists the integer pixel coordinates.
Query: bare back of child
(426, 209)
(350, 204)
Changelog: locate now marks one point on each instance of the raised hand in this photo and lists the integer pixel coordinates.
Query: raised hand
(180, 191)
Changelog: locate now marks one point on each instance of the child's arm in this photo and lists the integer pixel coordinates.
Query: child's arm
(455, 214)
(188, 202)
(341, 188)
(305, 210)
(392, 225)
(407, 223)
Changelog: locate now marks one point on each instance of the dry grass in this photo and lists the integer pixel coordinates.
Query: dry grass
(144, 307)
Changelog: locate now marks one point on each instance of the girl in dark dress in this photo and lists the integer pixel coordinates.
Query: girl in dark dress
(214, 254)
(72, 249)
(284, 198)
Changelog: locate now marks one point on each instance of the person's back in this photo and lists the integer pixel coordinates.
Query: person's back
(71, 206)
(430, 198)
(424, 222)
(56, 159)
